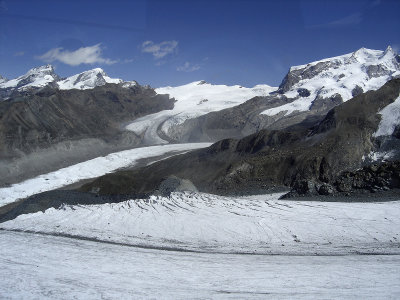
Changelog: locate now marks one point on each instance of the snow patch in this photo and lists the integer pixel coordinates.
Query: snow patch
(390, 118)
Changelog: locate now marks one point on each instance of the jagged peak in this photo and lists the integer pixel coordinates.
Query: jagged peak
(389, 52)
(87, 80)
(389, 49)
(41, 69)
(91, 72)
(361, 55)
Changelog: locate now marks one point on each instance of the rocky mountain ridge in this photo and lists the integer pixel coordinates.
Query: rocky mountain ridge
(43, 76)
(305, 95)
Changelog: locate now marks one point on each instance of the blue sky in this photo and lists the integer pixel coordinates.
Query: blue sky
(175, 42)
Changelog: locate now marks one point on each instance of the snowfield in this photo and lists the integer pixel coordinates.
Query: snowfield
(193, 100)
(34, 266)
(208, 223)
(88, 169)
(341, 77)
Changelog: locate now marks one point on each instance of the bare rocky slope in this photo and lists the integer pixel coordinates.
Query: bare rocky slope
(270, 158)
(47, 128)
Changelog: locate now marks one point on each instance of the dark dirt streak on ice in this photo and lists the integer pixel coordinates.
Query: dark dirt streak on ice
(176, 249)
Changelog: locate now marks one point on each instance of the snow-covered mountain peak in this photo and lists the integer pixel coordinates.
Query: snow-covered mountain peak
(35, 77)
(341, 77)
(48, 69)
(364, 55)
(87, 80)
(42, 76)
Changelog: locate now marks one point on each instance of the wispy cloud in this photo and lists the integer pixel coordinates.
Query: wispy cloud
(83, 55)
(352, 19)
(161, 49)
(19, 53)
(128, 60)
(188, 67)
(349, 20)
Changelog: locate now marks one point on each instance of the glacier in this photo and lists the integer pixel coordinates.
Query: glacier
(62, 268)
(193, 100)
(88, 169)
(199, 222)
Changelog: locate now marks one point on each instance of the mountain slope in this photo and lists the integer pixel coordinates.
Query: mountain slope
(343, 77)
(268, 158)
(50, 128)
(305, 95)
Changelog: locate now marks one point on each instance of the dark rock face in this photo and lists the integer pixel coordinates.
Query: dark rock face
(357, 91)
(376, 71)
(326, 189)
(303, 92)
(309, 71)
(303, 188)
(396, 132)
(372, 178)
(321, 104)
(271, 158)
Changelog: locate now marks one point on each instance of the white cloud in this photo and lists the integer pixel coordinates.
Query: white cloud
(159, 50)
(188, 67)
(84, 55)
(19, 53)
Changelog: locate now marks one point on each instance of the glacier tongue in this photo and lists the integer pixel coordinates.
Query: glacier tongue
(193, 100)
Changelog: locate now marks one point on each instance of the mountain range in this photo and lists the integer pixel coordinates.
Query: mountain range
(326, 117)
